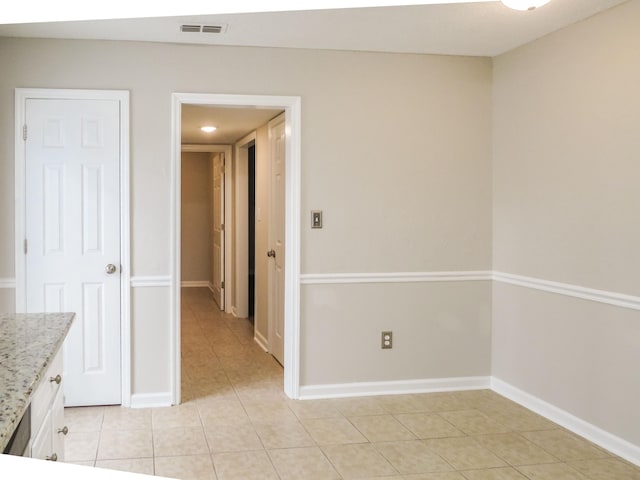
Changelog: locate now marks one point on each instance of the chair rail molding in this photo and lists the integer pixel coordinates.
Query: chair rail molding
(577, 291)
(7, 283)
(394, 277)
(151, 281)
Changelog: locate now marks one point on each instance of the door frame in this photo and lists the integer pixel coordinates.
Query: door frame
(293, 115)
(122, 96)
(228, 155)
(241, 225)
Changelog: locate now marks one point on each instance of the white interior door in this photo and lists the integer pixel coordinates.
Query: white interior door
(72, 228)
(276, 238)
(218, 229)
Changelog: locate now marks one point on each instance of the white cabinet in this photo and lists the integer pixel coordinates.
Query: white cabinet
(47, 415)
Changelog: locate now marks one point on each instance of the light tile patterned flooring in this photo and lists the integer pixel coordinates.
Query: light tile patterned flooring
(236, 423)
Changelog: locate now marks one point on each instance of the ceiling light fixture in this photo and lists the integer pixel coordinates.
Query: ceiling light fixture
(208, 129)
(524, 4)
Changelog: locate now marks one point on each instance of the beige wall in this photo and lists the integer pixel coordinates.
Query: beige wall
(396, 149)
(440, 330)
(7, 300)
(196, 217)
(566, 208)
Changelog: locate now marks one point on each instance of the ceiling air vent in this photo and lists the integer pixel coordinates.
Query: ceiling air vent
(203, 28)
(213, 28)
(190, 28)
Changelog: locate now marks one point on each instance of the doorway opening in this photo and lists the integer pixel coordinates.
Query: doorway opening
(291, 273)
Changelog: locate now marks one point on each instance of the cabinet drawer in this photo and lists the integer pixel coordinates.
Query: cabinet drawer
(57, 422)
(41, 442)
(45, 392)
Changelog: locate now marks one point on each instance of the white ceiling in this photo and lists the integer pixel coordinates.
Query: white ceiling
(485, 28)
(232, 123)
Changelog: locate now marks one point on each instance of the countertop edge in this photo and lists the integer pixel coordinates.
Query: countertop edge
(9, 428)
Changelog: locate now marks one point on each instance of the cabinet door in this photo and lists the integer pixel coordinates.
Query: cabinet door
(59, 428)
(41, 444)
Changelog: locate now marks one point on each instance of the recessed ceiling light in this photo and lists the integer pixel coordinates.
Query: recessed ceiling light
(208, 129)
(524, 4)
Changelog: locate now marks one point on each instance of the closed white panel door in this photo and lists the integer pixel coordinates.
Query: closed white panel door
(218, 229)
(73, 234)
(276, 238)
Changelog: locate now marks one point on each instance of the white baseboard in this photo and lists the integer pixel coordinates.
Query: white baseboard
(594, 434)
(147, 400)
(210, 285)
(194, 284)
(261, 340)
(360, 389)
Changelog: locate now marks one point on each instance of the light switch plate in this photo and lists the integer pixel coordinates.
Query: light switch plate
(316, 218)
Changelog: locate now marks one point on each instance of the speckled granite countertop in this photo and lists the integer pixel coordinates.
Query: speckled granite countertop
(28, 343)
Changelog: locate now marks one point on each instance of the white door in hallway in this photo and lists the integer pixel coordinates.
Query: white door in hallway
(73, 232)
(218, 229)
(277, 238)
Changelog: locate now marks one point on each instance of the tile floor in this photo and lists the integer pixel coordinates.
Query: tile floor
(235, 423)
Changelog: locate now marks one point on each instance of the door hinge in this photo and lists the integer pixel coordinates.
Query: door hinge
(222, 285)
(25, 246)
(222, 227)
(24, 132)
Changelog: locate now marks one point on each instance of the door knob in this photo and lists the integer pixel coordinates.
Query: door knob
(111, 268)
(271, 253)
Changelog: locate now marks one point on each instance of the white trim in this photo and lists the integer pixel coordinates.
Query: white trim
(239, 225)
(577, 291)
(209, 148)
(595, 434)
(292, 107)
(7, 283)
(175, 213)
(396, 387)
(394, 277)
(601, 296)
(150, 400)
(151, 281)
(195, 284)
(122, 96)
(260, 339)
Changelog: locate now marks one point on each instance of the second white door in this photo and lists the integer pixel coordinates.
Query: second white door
(218, 229)
(73, 236)
(277, 237)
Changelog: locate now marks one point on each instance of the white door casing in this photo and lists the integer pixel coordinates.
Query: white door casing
(218, 229)
(277, 139)
(292, 107)
(70, 209)
(241, 225)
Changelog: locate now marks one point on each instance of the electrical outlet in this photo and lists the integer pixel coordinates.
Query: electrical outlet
(386, 340)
